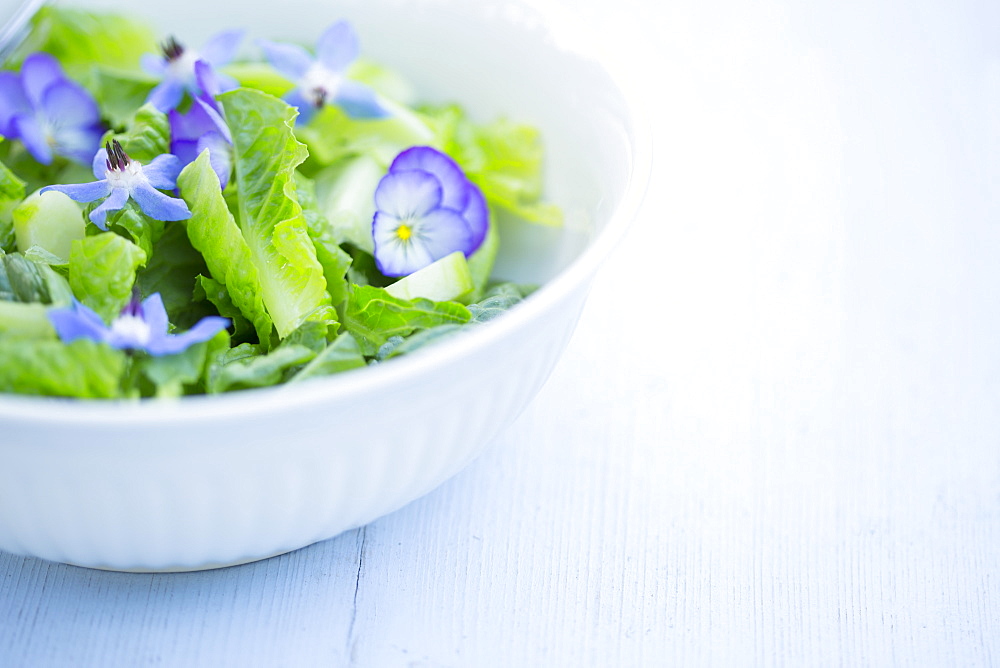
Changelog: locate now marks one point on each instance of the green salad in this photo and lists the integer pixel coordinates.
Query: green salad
(200, 218)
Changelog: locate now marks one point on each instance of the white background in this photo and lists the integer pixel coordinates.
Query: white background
(773, 440)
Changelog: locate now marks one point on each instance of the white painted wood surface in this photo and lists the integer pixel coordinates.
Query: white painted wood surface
(774, 439)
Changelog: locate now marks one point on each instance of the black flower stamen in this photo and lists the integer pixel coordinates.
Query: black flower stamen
(319, 95)
(172, 50)
(117, 157)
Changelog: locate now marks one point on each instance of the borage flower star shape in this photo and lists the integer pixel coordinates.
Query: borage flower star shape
(321, 81)
(51, 114)
(141, 326)
(425, 209)
(120, 178)
(177, 68)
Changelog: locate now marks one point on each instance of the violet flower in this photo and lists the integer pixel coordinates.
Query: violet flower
(203, 127)
(425, 209)
(48, 112)
(124, 179)
(321, 81)
(177, 68)
(140, 326)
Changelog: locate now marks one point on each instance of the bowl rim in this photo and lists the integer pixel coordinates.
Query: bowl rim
(67, 411)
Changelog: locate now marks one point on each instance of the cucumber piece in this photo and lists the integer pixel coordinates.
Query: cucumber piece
(51, 221)
(447, 279)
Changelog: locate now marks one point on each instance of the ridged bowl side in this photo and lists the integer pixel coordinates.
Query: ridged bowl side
(249, 488)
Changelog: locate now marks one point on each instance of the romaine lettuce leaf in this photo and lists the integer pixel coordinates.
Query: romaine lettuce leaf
(144, 230)
(266, 154)
(503, 158)
(207, 288)
(373, 316)
(244, 367)
(102, 271)
(343, 354)
(82, 368)
(215, 234)
(172, 271)
(121, 91)
(25, 320)
(345, 194)
(25, 280)
(334, 259)
(11, 193)
(173, 375)
(332, 135)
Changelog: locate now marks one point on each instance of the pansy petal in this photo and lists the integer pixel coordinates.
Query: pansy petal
(78, 143)
(115, 201)
(217, 121)
(186, 126)
(203, 330)
(337, 47)
(358, 100)
(162, 172)
(153, 64)
(13, 101)
(82, 192)
(291, 60)
(186, 150)
(38, 72)
(454, 185)
(407, 194)
(222, 47)
(31, 135)
(167, 94)
(393, 255)
(442, 232)
(77, 322)
(157, 205)
(66, 103)
(220, 155)
(477, 215)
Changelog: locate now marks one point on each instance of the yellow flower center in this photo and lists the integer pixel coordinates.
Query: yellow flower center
(404, 232)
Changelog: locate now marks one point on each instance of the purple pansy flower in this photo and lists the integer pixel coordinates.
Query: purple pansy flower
(124, 178)
(177, 68)
(321, 81)
(140, 326)
(425, 209)
(48, 112)
(203, 127)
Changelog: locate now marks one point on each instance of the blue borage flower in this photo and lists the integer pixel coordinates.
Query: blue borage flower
(177, 68)
(124, 179)
(321, 81)
(139, 326)
(203, 127)
(425, 209)
(48, 112)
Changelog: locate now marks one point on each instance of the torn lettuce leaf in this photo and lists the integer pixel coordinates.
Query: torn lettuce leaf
(373, 316)
(102, 270)
(503, 158)
(82, 369)
(214, 233)
(266, 153)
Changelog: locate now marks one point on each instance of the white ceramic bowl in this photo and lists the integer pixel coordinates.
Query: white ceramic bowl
(210, 481)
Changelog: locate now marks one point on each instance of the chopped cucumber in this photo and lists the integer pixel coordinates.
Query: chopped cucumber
(447, 279)
(51, 221)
